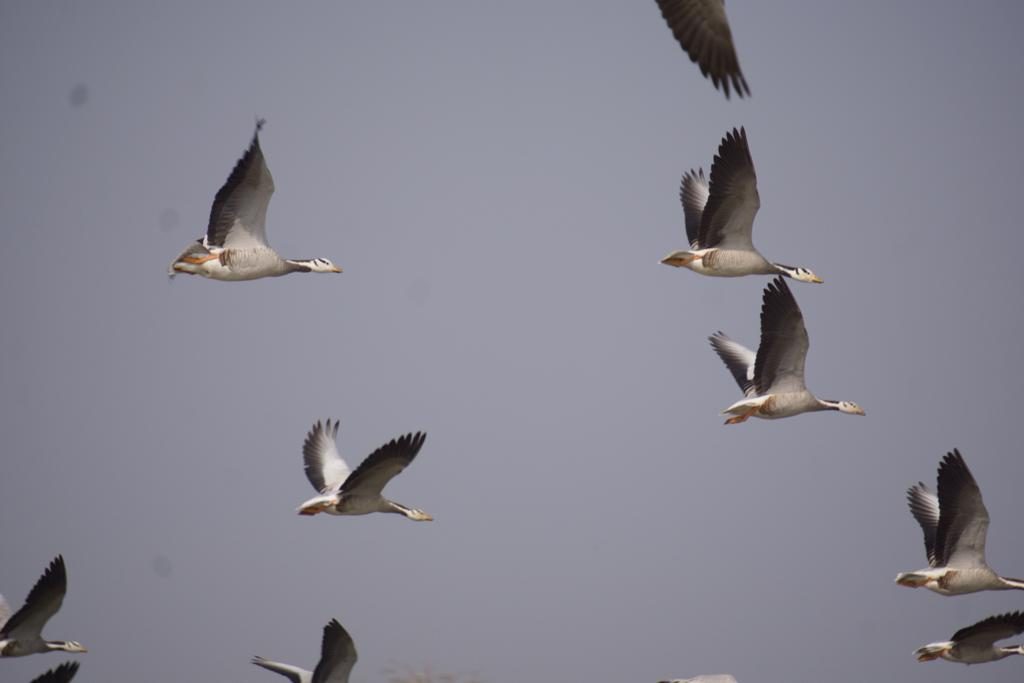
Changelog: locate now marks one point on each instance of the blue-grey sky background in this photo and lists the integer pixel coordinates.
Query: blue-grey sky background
(498, 181)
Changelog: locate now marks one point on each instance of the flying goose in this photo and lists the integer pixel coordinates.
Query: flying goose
(21, 634)
(773, 379)
(62, 674)
(337, 657)
(976, 644)
(955, 523)
(702, 29)
(345, 492)
(235, 246)
(705, 678)
(720, 218)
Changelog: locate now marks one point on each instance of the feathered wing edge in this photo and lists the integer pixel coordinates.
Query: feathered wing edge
(738, 359)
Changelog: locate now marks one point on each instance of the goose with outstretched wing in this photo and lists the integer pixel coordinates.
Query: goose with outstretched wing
(773, 379)
(21, 633)
(702, 30)
(719, 218)
(337, 657)
(955, 525)
(359, 492)
(976, 644)
(235, 246)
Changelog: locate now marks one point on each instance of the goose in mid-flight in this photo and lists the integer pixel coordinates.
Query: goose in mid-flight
(705, 678)
(337, 657)
(719, 218)
(702, 29)
(21, 633)
(955, 524)
(62, 674)
(346, 492)
(773, 379)
(976, 644)
(235, 246)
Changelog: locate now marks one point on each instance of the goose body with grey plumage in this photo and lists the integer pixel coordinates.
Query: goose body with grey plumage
(955, 525)
(235, 245)
(346, 492)
(719, 218)
(773, 378)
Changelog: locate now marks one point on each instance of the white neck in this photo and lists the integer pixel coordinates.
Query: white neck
(1009, 583)
(311, 265)
(411, 513)
(788, 271)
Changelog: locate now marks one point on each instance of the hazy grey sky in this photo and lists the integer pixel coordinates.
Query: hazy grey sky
(498, 181)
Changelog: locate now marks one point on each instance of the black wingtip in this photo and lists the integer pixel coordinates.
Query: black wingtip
(415, 440)
(56, 567)
(776, 286)
(954, 473)
(953, 460)
(256, 133)
(333, 626)
(734, 142)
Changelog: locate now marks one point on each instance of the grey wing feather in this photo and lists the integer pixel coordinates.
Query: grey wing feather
(693, 193)
(239, 211)
(963, 519)
(733, 200)
(383, 464)
(780, 357)
(292, 673)
(702, 29)
(62, 674)
(337, 655)
(738, 358)
(924, 506)
(324, 466)
(43, 601)
(988, 631)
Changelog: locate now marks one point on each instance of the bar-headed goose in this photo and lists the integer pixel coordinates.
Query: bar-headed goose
(337, 657)
(62, 674)
(235, 246)
(702, 29)
(976, 644)
(719, 218)
(21, 634)
(773, 379)
(955, 524)
(345, 492)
